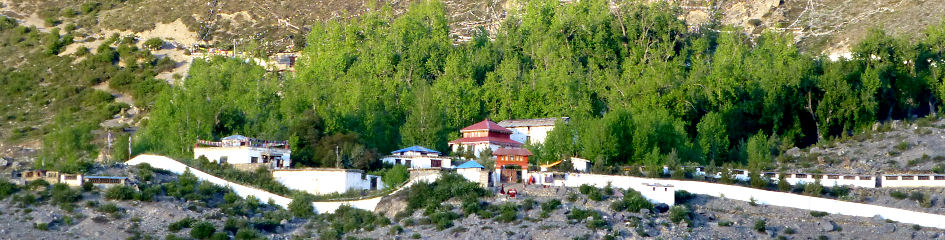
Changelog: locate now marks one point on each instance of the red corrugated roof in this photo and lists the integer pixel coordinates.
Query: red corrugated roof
(494, 140)
(486, 125)
(512, 152)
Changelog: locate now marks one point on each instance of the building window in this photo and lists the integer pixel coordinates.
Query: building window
(253, 159)
(435, 163)
(223, 159)
(407, 163)
(397, 161)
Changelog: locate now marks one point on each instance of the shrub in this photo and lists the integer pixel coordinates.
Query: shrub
(902, 146)
(596, 196)
(572, 197)
(415, 236)
(347, 219)
(683, 196)
(87, 186)
(528, 204)
(120, 192)
(396, 175)
(725, 223)
(760, 225)
(396, 229)
(581, 214)
(508, 213)
(246, 234)
(153, 43)
(789, 231)
(41, 226)
(7, 188)
(632, 202)
(898, 195)
(814, 189)
(818, 214)
(586, 189)
(422, 195)
(61, 194)
(202, 230)
(37, 184)
(181, 224)
(220, 236)
(301, 205)
(916, 196)
(550, 205)
(680, 213)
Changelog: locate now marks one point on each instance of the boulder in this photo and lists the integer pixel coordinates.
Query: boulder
(826, 226)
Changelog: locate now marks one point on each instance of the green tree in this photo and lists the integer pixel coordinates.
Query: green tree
(713, 137)
(301, 205)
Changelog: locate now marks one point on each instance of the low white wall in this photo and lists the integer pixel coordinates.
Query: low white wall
(623, 182)
(162, 162)
(763, 197)
(325, 181)
(913, 180)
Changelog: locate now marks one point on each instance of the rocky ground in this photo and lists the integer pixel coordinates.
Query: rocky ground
(710, 217)
(891, 147)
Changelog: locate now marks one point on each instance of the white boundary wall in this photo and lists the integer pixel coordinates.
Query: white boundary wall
(624, 182)
(760, 196)
(162, 162)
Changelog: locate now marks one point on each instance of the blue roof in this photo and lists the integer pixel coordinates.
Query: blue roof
(106, 177)
(416, 149)
(470, 164)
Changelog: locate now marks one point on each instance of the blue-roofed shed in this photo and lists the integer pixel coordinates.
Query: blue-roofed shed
(415, 148)
(470, 164)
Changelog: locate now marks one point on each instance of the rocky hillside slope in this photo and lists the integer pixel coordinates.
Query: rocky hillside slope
(828, 26)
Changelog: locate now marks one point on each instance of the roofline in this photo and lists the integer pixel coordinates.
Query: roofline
(319, 170)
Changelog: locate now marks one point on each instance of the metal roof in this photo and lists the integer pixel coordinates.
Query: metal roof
(486, 125)
(535, 122)
(106, 177)
(416, 148)
(470, 164)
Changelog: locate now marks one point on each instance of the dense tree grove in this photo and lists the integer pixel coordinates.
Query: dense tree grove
(639, 85)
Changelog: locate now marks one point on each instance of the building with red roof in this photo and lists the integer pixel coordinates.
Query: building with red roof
(484, 135)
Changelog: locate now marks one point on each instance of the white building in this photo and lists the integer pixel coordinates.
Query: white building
(472, 171)
(531, 130)
(580, 164)
(240, 150)
(660, 193)
(320, 181)
(417, 157)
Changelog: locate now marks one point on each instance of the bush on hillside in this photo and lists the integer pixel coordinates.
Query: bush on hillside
(202, 230)
(301, 205)
(120, 192)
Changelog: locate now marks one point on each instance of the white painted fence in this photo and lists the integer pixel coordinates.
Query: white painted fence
(760, 196)
(162, 162)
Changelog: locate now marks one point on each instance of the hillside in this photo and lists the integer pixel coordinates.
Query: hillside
(828, 26)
